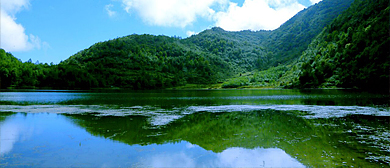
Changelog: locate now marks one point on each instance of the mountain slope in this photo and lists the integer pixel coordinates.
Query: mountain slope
(352, 52)
(290, 39)
(249, 50)
(152, 62)
(149, 62)
(243, 49)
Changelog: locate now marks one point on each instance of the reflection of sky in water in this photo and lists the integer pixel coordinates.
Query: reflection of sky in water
(240, 157)
(47, 140)
(232, 157)
(13, 131)
(40, 97)
(9, 134)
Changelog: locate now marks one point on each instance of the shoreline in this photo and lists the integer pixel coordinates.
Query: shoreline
(185, 87)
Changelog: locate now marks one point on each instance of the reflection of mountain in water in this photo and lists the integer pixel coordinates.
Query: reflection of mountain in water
(4, 115)
(317, 143)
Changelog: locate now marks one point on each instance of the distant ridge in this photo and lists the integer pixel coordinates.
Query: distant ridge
(317, 47)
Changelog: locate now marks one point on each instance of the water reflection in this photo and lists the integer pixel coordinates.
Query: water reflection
(9, 134)
(313, 142)
(47, 140)
(267, 138)
(13, 131)
(159, 117)
(174, 98)
(253, 128)
(39, 97)
(170, 160)
(231, 157)
(258, 157)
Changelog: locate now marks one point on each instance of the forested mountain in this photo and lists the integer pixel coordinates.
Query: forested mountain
(242, 49)
(250, 50)
(288, 41)
(347, 50)
(353, 51)
(149, 62)
(15, 74)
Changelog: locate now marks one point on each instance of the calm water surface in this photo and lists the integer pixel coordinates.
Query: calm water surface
(195, 128)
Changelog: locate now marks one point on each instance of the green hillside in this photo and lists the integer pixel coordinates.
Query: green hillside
(351, 52)
(251, 50)
(16, 74)
(149, 62)
(287, 42)
(318, 47)
(242, 49)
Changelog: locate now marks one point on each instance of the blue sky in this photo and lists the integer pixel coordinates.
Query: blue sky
(53, 30)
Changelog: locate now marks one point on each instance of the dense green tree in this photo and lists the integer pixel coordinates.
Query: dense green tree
(352, 51)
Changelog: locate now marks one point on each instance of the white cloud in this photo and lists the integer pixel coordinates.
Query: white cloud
(253, 14)
(190, 33)
(35, 41)
(258, 157)
(9, 136)
(315, 1)
(13, 36)
(257, 14)
(13, 130)
(110, 12)
(279, 3)
(172, 13)
(14, 6)
(170, 160)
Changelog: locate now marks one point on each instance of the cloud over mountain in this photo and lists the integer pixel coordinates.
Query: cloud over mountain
(257, 15)
(253, 14)
(13, 36)
(172, 13)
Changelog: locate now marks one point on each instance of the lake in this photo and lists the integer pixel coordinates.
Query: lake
(194, 128)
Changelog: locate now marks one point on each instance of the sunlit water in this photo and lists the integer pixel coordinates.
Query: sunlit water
(202, 128)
